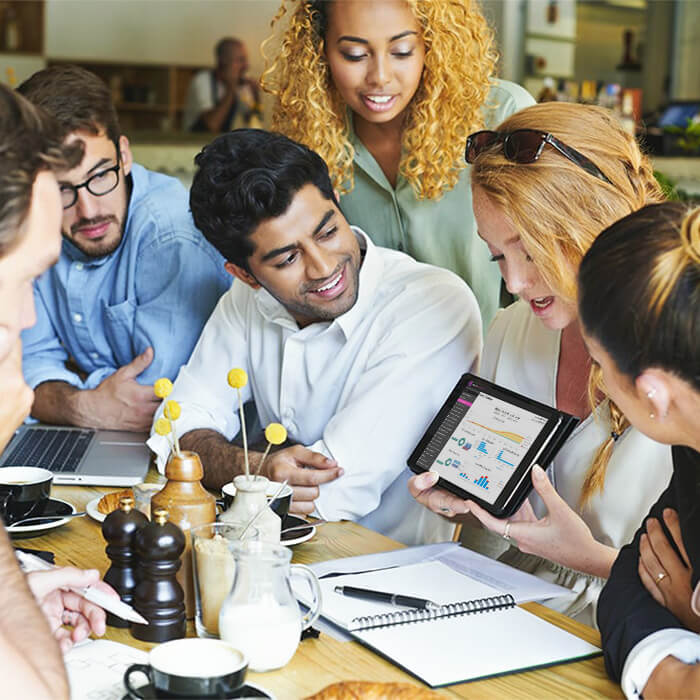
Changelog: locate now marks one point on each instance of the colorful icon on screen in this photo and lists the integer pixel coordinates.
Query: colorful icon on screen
(482, 481)
(499, 458)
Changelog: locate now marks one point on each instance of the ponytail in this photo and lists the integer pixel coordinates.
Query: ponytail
(595, 477)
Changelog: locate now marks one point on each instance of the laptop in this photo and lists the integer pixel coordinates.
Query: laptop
(80, 455)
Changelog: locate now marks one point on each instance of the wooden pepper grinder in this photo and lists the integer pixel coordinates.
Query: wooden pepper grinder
(188, 503)
(119, 529)
(158, 596)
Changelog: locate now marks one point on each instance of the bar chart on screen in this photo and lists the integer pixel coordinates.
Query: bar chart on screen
(482, 481)
(487, 444)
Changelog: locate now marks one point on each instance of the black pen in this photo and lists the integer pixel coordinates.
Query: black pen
(391, 598)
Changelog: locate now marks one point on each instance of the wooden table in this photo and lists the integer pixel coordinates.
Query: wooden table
(319, 662)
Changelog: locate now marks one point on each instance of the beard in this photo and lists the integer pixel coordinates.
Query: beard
(329, 311)
(100, 247)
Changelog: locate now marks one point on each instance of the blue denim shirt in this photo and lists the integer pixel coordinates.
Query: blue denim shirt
(158, 288)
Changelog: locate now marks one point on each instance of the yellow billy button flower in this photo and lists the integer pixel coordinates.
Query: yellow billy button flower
(162, 426)
(162, 387)
(237, 378)
(172, 410)
(275, 433)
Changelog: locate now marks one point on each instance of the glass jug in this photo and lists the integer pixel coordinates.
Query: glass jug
(261, 616)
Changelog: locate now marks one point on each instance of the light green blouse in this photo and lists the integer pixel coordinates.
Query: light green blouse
(441, 232)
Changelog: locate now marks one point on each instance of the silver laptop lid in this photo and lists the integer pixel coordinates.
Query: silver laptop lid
(80, 455)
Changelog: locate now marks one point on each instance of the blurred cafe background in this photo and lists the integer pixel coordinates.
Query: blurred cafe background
(640, 58)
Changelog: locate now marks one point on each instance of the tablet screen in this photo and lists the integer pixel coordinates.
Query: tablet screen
(480, 442)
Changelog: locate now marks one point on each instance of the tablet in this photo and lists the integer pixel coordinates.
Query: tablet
(484, 441)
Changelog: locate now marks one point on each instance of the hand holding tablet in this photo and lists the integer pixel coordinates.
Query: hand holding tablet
(484, 441)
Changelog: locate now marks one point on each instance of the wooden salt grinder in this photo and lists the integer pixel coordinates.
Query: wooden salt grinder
(158, 595)
(189, 504)
(119, 528)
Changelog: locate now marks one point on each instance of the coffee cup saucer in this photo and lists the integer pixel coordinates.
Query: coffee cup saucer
(249, 690)
(54, 506)
(296, 536)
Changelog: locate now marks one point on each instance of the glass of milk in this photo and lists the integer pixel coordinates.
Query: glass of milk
(261, 616)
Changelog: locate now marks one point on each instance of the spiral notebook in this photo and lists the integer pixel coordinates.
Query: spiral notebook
(476, 632)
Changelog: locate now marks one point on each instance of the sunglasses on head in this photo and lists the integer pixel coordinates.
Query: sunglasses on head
(525, 146)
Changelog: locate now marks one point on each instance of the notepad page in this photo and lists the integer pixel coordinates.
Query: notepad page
(432, 580)
(457, 649)
(96, 669)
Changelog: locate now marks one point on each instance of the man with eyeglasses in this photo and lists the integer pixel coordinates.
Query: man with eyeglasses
(135, 281)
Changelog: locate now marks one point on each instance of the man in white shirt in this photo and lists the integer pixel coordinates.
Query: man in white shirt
(353, 348)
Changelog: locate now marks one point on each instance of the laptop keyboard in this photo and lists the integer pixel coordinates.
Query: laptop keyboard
(59, 450)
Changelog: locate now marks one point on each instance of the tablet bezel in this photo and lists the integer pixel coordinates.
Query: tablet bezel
(505, 505)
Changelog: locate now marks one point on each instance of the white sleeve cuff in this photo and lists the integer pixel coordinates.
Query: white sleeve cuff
(651, 651)
(319, 510)
(161, 446)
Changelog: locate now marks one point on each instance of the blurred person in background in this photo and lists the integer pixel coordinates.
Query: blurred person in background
(223, 99)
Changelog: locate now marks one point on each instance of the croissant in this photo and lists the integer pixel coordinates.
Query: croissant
(368, 690)
(110, 501)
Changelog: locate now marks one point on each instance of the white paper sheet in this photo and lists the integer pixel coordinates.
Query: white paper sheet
(522, 586)
(449, 649)
(382, 560)
(96, 669)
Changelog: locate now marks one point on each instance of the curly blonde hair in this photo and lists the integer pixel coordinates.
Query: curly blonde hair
(558, 208)
(460, 59)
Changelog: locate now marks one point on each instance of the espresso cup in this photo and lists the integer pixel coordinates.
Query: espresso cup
(24, 492)
(191, 668)
(280, 506)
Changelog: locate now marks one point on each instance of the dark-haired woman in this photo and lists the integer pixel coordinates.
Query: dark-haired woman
(639, 303)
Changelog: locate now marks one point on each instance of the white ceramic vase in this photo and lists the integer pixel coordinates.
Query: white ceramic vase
(250, 499)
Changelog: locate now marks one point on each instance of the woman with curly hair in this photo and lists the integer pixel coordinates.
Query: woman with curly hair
(386, 93)
(545, 184)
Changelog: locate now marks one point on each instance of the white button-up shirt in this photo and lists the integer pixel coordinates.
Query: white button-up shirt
(361, 389)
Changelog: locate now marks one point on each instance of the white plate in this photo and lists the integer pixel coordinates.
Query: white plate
(31, 530)
(92, 511)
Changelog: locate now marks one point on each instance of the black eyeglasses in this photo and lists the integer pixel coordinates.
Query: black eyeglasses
(99, 184)
(525, 146)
